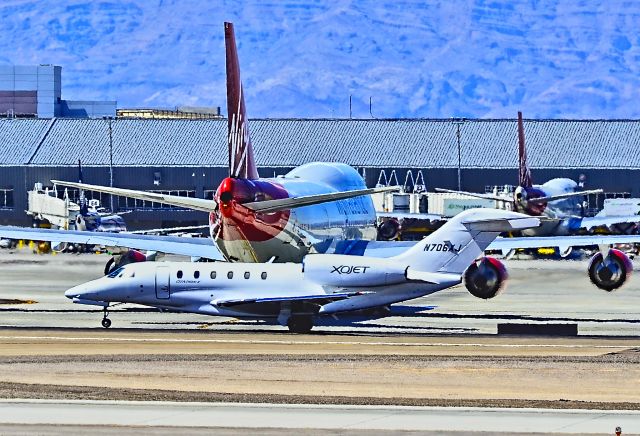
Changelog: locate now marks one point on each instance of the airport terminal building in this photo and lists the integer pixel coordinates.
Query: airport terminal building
(189, 157)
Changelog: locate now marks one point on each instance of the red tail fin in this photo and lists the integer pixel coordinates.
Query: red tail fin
(524, 175)
(242, 163)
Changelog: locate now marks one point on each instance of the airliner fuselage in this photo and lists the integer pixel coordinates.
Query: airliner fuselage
(288, 235)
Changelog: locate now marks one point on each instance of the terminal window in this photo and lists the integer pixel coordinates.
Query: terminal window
(6, 199)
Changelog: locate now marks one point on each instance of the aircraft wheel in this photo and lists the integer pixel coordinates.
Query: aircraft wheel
(300, 324)
(106, 323)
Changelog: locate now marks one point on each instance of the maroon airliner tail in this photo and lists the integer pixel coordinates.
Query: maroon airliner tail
(524, 175)
(242, 162)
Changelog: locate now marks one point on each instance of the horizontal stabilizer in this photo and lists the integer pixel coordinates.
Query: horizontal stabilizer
(561, 196)
(502, 225)
(318, 299)
(477, 195)
(268, 206)
(173, 200)
(433, 277)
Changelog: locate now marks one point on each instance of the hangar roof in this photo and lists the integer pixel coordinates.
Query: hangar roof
(417, 143)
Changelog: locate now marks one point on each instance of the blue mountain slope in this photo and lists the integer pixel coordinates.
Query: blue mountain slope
(482, 58)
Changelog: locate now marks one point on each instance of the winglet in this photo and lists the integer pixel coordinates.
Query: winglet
(524, 175)
(241, 159)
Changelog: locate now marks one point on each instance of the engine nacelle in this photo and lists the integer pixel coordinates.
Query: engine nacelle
(343, 270)
(485, 278)
(610, 272)
(131, 256)
(388, 230)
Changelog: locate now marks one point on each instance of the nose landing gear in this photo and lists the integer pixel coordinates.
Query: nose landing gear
(106, 322)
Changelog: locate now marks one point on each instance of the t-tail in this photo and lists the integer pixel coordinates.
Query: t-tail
(458, 243)
(524, 175)
(241, 159)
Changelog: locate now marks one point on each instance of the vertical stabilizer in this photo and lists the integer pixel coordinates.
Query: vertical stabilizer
(241, 160)
(462, 239)
(524, 175)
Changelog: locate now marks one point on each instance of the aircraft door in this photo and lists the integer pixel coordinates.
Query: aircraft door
(162, 282)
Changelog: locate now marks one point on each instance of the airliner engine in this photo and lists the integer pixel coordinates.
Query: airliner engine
(130, 256)
(485, 278)
(611, 271)
(388, 230)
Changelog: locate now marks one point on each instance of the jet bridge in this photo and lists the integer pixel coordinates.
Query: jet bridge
(45, 206)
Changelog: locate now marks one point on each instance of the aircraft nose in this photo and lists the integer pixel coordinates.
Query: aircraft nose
(76, 291)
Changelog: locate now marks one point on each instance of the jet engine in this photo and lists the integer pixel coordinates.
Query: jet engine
(130, 256)
(388, 230)
(611, 271)
(485, 278)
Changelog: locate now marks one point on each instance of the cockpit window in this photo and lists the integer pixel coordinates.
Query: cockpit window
(115, 273)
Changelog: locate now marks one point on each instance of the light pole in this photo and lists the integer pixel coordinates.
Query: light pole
(458, 122)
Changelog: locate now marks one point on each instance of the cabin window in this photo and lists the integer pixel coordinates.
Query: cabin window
(263, 276)
(179, 274)
(213, 274)
(230, 275)
(196, 275)
(247, 274)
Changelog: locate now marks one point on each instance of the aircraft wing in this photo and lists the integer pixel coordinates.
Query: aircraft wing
(318, 299)
(195, 247)
(268, 206)
(561, 196)
(174, 200)
(597, 221)
(562, 242)
(201, 204)
(408, 215)
(477, 195)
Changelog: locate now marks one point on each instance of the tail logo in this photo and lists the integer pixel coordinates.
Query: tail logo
(239, 141)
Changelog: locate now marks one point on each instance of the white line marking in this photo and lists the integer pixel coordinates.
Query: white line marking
(278, 342)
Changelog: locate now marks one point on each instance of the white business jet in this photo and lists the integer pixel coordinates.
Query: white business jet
(323, 284)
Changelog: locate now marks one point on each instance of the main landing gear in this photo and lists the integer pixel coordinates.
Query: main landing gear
(300, 323)
(106, 322)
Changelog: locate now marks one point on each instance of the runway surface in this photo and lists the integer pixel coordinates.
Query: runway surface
(259, 417)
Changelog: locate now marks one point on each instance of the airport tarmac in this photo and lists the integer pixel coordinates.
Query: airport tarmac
(436, 351)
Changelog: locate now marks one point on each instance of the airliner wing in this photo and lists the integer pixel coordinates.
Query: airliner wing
(562, 242)
(195, 247)
(477, 195)
(409, 215)
(597, 221)
(561, 196)
(268, 206)
(173, 200)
